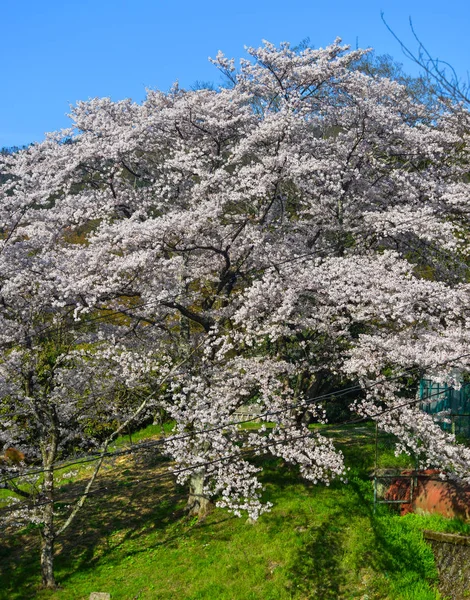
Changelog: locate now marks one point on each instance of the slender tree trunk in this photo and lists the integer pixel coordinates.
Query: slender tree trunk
(48, 531)
(198, 504)
(47, 560)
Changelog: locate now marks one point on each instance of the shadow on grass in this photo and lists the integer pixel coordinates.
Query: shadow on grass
(115, 522)
(108, 521)
(353, 544)
(317, 571)
(19, 575)
(111, 526)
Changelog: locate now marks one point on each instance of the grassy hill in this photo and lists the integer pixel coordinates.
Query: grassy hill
(134, 541)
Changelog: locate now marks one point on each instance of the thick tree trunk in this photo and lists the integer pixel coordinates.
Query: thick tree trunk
(198, 504)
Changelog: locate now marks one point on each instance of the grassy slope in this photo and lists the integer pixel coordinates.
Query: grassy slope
(318, 542)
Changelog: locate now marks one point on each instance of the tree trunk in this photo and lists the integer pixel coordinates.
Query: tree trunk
(198, 504)
(47, 559)
(48, 532)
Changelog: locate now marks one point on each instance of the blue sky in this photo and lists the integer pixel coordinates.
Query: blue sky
(56, 52)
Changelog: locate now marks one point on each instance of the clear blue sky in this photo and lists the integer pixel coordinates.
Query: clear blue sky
(55, 52)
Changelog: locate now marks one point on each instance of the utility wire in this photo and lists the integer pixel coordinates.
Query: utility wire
(171, 473)
(164, 441)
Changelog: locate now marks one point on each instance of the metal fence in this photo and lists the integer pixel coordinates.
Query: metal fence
(450, 405)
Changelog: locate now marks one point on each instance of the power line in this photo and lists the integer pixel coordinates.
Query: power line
(199, 465)
(292, 406)
(171, 473)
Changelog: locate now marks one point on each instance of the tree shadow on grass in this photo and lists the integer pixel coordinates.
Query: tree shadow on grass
(317, 571)
(113, 521)
(130, 523)
(120, 512)
(352, 541)
(18, 574)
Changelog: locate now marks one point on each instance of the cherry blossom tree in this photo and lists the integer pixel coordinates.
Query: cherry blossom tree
(305, 225)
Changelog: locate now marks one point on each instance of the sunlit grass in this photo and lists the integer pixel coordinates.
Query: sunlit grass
(135, 541)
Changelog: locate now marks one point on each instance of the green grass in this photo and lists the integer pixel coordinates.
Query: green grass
(318, 542)
(143, 434)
